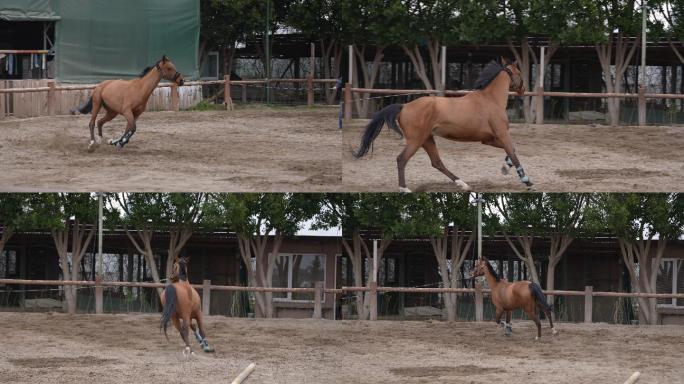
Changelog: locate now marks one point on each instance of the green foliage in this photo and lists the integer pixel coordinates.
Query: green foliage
(223, 22)
(430, 213)
(261, 213)
(207, 106)
(12, 209)
(52, 211)
(159, 210)
(635, 216)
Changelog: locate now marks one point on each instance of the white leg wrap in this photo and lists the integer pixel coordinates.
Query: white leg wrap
(462, 184)
(553, 331)
(404, 190)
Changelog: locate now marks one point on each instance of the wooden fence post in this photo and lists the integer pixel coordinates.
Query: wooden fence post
(479, 303)
(51, 98)
(588, 303)
(175, 98)
(227, 100)
(206, 297)
(373, 300)
(99, 307)
(347, 102)
(642, 106)
(309, 91)
(318, 308)
(244, 93)
(540, 105)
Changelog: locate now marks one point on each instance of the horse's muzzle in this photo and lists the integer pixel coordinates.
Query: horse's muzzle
(181, 82)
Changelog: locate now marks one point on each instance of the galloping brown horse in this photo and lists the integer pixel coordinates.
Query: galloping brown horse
(127, 98)
(478, 116)
(181, 304)
(510, 296)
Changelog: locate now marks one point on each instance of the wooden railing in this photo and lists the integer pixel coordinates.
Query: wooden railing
(319, 293)
(641, 96)
(53, 88)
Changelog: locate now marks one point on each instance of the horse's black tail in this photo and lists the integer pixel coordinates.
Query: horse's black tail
(539, 296)
(169, 308)
(87, 107)
(386, 115)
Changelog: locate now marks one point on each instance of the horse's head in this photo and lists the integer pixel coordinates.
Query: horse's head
(169, 72)
(180, 269)
(517, 83)
(479, 268)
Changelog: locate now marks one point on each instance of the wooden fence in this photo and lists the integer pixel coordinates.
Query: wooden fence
(641, 96)
(30, 98)
(319, 291)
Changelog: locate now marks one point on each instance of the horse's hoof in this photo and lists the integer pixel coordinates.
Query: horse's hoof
(553, 331)
(536, 338)
(530, 187)
(208, 350)
(404, 190)
(111, 142)
(504, 169)
(462, 184)
(91, 146)
(98, 140)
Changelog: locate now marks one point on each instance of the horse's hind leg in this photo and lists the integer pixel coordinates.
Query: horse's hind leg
(97, 104)
(508, 327)
(107, 118)
(184, 330)
(200, 335)
(532, 315)
(547, 312)
(431, 148)
(403, 158)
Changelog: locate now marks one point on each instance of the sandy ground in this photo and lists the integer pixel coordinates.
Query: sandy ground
(57, 348)
(250, 149)
(558, 158)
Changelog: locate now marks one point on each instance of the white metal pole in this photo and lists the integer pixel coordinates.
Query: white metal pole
(542, 67)
(351, 64)
(642, 75)
(375, 261)
(479, 225)
(444, 64)
(99, 236)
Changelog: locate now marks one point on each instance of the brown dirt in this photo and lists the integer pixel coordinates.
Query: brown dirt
(250, 149)
(57, 348)
(558, 158)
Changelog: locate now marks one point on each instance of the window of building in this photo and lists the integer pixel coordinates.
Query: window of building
(8, 263)
(298, 271)
(210, 66)
(670, 279)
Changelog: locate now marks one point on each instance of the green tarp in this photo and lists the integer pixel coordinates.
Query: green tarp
(104, 39)
(27, 10)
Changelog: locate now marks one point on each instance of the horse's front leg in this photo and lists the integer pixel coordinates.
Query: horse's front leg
(506, 142)
(508, 327)
(128, 133)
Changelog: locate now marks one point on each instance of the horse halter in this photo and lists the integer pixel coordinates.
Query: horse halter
(175, 75)
(510, 74)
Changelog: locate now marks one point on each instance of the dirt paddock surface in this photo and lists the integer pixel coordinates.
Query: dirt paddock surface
(558, 158)
(249, 149)
(58, 348)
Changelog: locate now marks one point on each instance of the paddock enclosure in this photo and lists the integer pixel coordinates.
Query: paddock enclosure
(557, 158)
(252, 148)
(129, 348)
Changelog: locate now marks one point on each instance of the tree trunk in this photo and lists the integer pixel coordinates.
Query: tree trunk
(559, 244)
(364, 102)
(4, 238)
(78, 249)
(648, 272)
(329, 49)
(244, 243)
(384, 243)
(356, 258)
(145, 236)
(271, 260)
(525, 253)
(623, 55)
(416, 58)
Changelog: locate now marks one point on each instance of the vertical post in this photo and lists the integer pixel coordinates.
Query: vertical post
(347, 102)
(309, 91)
(588, 303)
(642, 75)
(318, 305)
(175, 102)
(244, 93)
(375, 261)
(479, 225)
(100, 269)
(479, 303)
(98, 295)
(350, 78)
(373, 300)
(206, 297)
(642, 105)
(540, 89)
(51, 98)
(267, 49)
(227, 100)
(442, 86)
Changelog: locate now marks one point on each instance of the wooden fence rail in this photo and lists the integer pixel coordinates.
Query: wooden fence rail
(319, 293)
(641, 96)
(54, 90)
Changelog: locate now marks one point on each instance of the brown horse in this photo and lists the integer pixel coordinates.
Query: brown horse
(510, 296)
(127, 98)
(478, 116)
(181, 304)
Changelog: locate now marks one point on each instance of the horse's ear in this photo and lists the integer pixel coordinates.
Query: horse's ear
(164, 59)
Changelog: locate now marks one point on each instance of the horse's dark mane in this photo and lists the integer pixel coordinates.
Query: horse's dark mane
(488, 73)
(492, 271)
(144, 72)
